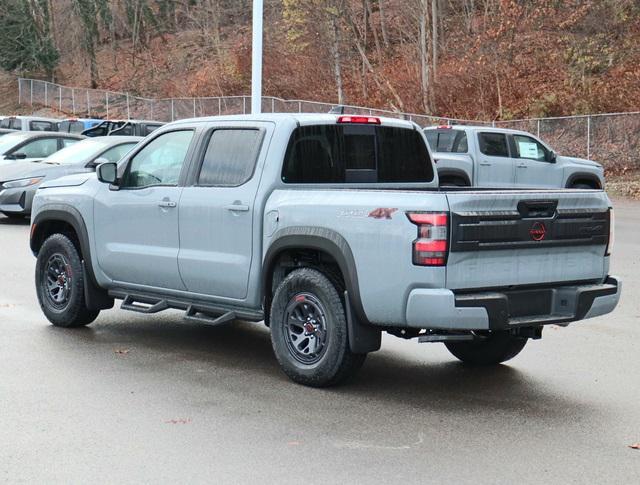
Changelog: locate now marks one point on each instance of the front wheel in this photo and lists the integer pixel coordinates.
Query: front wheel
(491, 348)
(309, 330)
(60, 283)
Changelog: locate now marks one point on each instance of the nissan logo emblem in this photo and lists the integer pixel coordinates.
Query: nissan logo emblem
(538, 231)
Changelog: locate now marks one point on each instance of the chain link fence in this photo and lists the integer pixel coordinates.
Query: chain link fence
(612, 139)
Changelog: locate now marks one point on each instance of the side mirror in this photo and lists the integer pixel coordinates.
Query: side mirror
(17, 156)
(552, 157)
(96, 162)
(108, 172)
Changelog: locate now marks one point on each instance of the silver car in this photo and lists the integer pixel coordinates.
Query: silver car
(20, 180)
(23, 147)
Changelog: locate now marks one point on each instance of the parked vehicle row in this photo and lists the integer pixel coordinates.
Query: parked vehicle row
(84, 126)
(331, 229)
(482, 156)
(19, 181)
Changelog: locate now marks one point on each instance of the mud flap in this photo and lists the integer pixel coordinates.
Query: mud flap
(94, 298)
(362, 338)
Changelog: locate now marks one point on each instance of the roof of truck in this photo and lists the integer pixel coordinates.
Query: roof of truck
(474, 127)
(300, 118)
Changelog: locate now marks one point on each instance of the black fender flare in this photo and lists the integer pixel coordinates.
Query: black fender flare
(454, 172)
(96, 298)
(583, 176)
(363, 337)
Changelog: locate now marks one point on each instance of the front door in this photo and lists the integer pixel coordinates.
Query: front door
(494, 167)
(217, 215)
(136, 226)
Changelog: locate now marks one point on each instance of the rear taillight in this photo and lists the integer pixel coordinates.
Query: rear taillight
(432, 246)
(612, 232)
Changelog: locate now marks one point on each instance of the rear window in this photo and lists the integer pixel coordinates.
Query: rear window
(230, 157)
(494, 144)
(41, 126)
(356, 154)
(71, 126)
(447, 140)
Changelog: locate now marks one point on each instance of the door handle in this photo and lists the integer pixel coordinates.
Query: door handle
(521, 166)
(485, 164)
(237, 207)
(167, 204)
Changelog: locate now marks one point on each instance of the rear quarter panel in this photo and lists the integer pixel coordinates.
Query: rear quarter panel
(381, 246)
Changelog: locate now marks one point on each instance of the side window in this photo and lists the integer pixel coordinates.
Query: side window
(160, 161)
(40, 148)
(41, 126)
(5, 123)
(114, 154)
(230, 157)
(16, 124)
(67, 142)
(447, 140)
(148, 129)
(494, 144)
(527, 147)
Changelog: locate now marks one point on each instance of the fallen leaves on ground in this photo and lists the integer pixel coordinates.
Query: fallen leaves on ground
(635, 446)
(179, 421)
(121, 351)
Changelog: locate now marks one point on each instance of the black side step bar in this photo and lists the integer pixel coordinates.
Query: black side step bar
(196, 311)
(194, 315)
(129, 303)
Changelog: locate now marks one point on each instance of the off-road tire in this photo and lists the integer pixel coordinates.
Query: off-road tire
(336, 363)
(494, 348)
(73, 311)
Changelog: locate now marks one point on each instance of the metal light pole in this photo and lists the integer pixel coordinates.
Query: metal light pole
(256, 59)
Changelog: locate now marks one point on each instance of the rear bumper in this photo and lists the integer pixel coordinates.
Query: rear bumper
(499, 310)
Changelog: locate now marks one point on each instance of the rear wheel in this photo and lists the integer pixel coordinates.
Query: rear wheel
(491, 348)
(309, 330)
(453, 182)
(582, 186)
(60, 283)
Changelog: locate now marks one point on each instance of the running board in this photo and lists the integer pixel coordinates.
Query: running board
(194, 315)
(129, 303)
(196, 311)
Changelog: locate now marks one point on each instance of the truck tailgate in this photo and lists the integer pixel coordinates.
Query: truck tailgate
(524, 237)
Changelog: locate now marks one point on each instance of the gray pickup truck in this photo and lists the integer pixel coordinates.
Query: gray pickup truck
(331, 229)
(482, 156)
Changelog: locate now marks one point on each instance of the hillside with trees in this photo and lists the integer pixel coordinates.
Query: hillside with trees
(474, 59)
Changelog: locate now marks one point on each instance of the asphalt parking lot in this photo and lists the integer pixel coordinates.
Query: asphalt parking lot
(135, 398)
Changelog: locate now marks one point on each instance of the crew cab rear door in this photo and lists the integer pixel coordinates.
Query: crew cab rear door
(217, 209)
(504, 238)
(495, 167)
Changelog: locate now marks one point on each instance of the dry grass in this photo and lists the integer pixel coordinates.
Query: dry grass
(627, 185)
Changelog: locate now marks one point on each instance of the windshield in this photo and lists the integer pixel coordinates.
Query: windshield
(79, 152)
(9, 141)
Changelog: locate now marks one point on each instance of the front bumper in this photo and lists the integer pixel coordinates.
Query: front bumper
(17, 201)
(519, 307)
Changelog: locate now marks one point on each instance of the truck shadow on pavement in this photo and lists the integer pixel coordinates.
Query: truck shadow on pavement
(239, 356)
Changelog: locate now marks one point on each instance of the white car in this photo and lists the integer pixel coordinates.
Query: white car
(29, 123)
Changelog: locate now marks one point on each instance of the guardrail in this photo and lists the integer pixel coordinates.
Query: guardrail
(612, 138)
